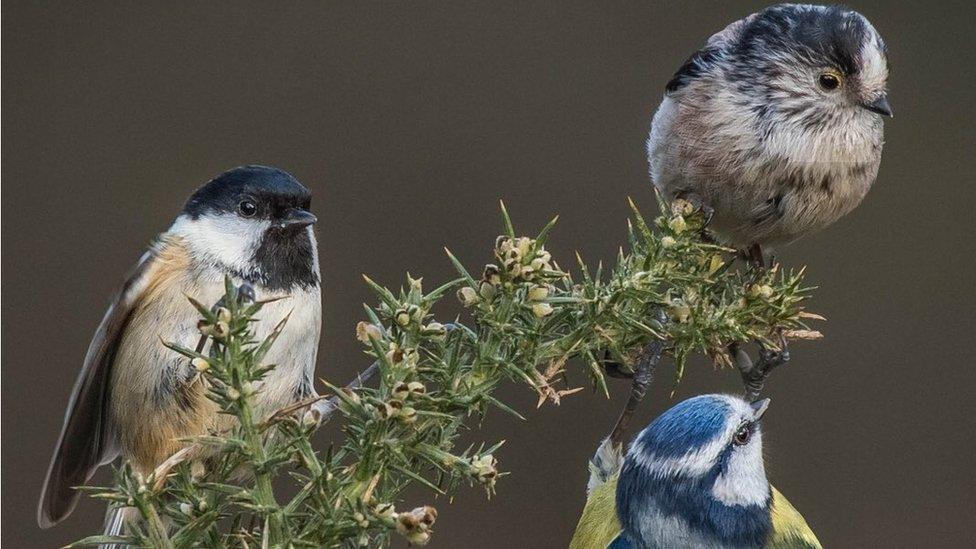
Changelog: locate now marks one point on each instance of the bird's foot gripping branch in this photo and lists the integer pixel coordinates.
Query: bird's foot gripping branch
(672, 292)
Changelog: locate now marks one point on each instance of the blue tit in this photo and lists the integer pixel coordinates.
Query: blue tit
(694, 477)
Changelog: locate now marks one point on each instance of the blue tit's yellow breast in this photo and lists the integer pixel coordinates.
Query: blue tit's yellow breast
(598, 525)
(790, 530)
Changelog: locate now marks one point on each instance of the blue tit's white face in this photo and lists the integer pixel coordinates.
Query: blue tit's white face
(697, 472)
(717, 437)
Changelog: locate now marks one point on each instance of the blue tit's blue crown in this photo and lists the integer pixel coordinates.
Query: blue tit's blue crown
(686, 426)
(682, 472)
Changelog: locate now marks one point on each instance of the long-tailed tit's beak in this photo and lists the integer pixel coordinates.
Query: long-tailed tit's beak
(296, 218)
(880, 106)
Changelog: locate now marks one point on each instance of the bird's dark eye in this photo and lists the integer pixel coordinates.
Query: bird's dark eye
(829, 81)
(742, 435)
(247, 208)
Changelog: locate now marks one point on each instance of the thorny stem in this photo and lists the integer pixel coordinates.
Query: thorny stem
(157, 530)
(263, 490)
(529, 319)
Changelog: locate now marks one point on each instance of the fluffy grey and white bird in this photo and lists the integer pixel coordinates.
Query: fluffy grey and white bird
(137, 399)
(775, 126)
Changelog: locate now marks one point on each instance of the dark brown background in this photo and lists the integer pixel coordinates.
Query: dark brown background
(408, 123)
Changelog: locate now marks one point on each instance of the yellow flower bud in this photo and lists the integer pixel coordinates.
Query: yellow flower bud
(538, 293)
(764, 291)
(467, 296)
(542, 309)
(484, 469)
(223, 315)
(401, 391)
(367, 330)
(486, 289)
(436, 331)
(680, 313)
(415, 526)
(402, 317)
(668, 242)
(385, 512)
(680, 206)
(390, 409)
(200, 364)
(407, 415)
(502, 244)
(491, 274)
(677, 224)
(220, 330)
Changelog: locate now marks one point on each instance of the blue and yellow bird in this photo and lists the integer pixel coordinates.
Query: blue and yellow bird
(694, 477)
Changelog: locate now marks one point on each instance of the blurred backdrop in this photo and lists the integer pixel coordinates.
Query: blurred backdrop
(409, 122)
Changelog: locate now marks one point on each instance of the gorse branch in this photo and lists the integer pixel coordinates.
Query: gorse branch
(528, 319)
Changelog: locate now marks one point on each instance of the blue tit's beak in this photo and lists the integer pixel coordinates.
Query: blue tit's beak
(880, 106)
(759, 408)
(296, 218)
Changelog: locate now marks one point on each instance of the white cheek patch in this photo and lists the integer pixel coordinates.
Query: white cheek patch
(874, 65)
(698, 461)
(744, 480)
(692, 464)
(226, 239)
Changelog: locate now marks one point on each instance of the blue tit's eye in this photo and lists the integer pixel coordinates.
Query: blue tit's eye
(829, 81)
(247, 208)
(742, 435)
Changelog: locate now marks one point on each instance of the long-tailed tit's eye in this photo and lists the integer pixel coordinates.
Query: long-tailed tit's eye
(247, 208)
(828, 81)
(742, 435)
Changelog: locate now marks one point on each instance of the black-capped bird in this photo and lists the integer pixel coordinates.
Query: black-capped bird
(137, 399)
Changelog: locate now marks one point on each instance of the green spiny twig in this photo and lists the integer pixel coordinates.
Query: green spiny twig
(528, 319)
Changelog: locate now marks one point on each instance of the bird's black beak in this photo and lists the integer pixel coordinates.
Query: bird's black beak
(759, 408)
(880, 105)
(296, 218)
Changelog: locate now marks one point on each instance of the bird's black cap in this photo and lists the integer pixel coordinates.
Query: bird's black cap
(273, 191)
(819, 34)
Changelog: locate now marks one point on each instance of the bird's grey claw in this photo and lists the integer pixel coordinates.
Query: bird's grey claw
(754, 374)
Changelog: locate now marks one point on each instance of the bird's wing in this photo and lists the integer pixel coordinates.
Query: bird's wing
(87, 440)
(701, 60)
(790, 530)
(598, 526)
